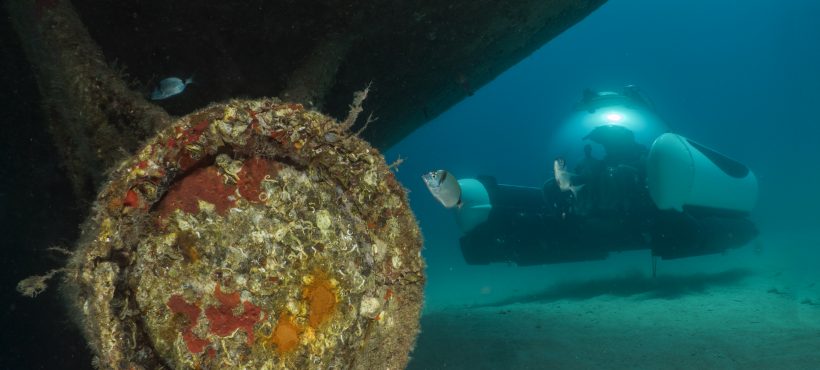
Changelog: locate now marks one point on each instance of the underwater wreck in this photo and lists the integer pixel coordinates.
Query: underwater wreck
(255, 232)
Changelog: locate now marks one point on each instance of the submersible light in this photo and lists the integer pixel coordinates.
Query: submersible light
(614, 117)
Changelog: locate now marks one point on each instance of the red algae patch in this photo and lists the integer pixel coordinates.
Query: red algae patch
(209, 184)
(202, 184)
(191, 312)
(131, 199)
(222, 320)
(253, 172)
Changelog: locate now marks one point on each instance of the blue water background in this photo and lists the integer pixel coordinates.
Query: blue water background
(740, 77)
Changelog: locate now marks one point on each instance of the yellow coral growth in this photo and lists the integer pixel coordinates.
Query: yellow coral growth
(320, 294)
(285, 336)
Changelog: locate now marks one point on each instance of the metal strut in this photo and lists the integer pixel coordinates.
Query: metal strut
(654, 265)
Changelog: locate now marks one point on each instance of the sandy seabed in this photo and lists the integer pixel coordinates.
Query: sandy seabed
(764, 317)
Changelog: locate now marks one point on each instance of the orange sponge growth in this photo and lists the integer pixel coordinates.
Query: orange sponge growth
(321, 297)
(286, 335)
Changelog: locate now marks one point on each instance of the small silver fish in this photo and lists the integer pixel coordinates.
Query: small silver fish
(169, 87)
(563, 177)
(444, 187)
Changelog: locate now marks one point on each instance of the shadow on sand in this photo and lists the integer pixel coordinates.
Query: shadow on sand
(632, 284)
(477, 339)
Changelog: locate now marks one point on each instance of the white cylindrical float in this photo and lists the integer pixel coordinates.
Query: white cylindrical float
(475, 205)
(681, 172)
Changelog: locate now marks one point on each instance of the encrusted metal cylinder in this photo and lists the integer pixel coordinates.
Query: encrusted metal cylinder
(250, 234)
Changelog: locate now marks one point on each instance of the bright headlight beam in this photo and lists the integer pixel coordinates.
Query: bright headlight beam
(614, 117)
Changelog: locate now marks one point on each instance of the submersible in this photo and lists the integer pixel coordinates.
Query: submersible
(636, 186)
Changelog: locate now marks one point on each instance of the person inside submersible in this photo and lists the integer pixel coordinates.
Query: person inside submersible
(637, 186)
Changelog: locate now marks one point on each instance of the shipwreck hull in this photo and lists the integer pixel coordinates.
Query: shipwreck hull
(123, 157)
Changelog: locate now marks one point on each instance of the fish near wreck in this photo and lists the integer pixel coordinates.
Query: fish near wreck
(169, 87)
(444, 187)
(563, 177)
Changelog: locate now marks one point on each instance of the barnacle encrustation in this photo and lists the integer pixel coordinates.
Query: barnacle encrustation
(242, 238)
